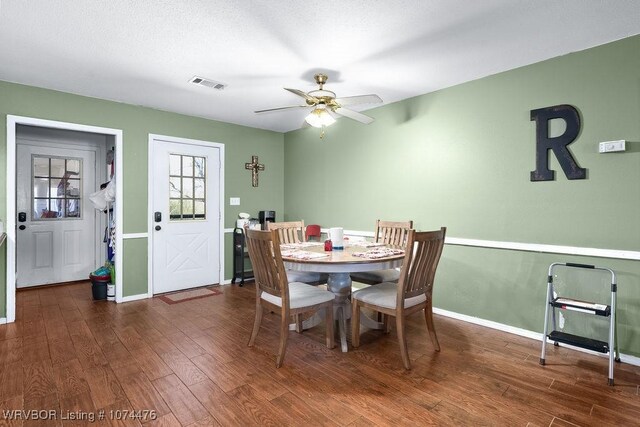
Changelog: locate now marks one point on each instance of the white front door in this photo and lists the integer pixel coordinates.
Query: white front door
(186, 215)
(56, 223)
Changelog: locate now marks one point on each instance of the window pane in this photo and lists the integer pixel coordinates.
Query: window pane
(187, 188)
(56, 188)
(187, 208)
(199, 188)
(174, 207)
(40, 166)
(73, 166)
(199, 167)
(187, 166)
(175, 188)
(73, 188)
(57, 168)
(73, 208)
(40, 207)
(174, 164)
(199, 208)
(41, 187)
(57, 206)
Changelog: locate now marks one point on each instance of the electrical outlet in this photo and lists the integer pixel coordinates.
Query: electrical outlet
(234, 201)
(611, 146)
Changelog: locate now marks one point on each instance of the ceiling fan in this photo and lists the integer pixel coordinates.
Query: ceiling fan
(324, 103)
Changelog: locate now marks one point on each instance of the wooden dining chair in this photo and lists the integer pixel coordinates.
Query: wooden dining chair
(294, 232)
(276, 294)
(412, 293)
(391, 233)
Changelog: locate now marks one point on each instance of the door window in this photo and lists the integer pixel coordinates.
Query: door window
(187, 187)
(57, 188)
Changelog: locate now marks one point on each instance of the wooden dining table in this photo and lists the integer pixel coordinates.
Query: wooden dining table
(339, 264)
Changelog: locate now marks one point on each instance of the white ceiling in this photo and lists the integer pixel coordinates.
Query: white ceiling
(144, 52)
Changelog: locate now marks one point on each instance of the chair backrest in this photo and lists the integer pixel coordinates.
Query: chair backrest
(313, 230)
(288, 232)
(266, 260)
(393, 232)
(422, 255)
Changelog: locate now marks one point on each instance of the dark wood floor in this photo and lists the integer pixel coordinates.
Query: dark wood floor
(189, 363)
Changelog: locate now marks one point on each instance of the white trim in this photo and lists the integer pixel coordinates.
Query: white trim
(174, 139)
(135, 235)
(626, 358)
(12, 122)
(135, 297)
(528, 247)
(3, 320)
(228, 230)
(554, 249)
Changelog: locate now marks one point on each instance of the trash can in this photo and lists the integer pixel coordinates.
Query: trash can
(99, 286)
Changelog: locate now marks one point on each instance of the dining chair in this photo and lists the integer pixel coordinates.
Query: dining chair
(275, 293)
(412, 293)
(294, 232)
(390, 233)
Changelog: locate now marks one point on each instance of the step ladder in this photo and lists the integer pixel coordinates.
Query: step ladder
(597, 309)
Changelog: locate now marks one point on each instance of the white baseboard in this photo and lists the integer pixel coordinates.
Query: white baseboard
(3, 320)
(626, 358)
(135, 297)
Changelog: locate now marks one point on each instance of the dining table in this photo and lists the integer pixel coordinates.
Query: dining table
(355, 257)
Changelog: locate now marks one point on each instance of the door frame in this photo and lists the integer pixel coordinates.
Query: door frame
(150, 224)
(12, 123)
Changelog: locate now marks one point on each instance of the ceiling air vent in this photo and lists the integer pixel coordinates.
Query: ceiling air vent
(201, 81)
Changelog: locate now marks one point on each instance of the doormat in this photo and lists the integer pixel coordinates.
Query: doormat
(189, 295)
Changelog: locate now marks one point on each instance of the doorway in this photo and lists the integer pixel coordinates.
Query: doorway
(59, 236)
(186, 193)
(65, 204)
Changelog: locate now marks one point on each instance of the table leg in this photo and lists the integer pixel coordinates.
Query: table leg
(340, 285)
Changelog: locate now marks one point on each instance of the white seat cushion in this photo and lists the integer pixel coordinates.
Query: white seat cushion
(384, 295)
(301, 295)
(379, 276)
(306, 277)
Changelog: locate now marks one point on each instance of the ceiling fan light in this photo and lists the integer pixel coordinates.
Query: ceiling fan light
(320, 117)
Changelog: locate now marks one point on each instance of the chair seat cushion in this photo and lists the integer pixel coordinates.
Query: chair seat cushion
(306, 277)
(379, 276)
(384, 295)
(301, 295)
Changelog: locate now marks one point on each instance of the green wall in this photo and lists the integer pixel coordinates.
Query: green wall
(137, 123)
(461, 158)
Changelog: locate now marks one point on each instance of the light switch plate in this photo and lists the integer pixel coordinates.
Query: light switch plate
(611, 146)
(234, 201)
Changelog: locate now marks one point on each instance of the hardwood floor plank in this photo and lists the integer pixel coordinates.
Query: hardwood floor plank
(11, 381)
(184, 368)
(139, 390)
(39, 380)
(150, 363)
(69, 377)
(105, 356)
(77, 410)
(222, 408)
(47, 403)
(104, 387)
(184, 405)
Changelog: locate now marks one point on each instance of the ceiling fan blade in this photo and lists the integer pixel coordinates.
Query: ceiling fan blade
(310, 99)
(281, 108)
(359, 99)
(362, 118)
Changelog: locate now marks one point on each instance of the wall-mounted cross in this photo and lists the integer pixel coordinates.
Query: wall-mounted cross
(254, 167)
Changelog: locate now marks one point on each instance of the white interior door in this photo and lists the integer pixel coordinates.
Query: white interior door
(56, 223)
(186, 216)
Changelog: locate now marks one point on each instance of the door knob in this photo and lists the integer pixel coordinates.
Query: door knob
(22, 227)
(158, 228)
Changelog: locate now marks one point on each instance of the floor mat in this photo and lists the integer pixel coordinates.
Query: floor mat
(189, 295)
